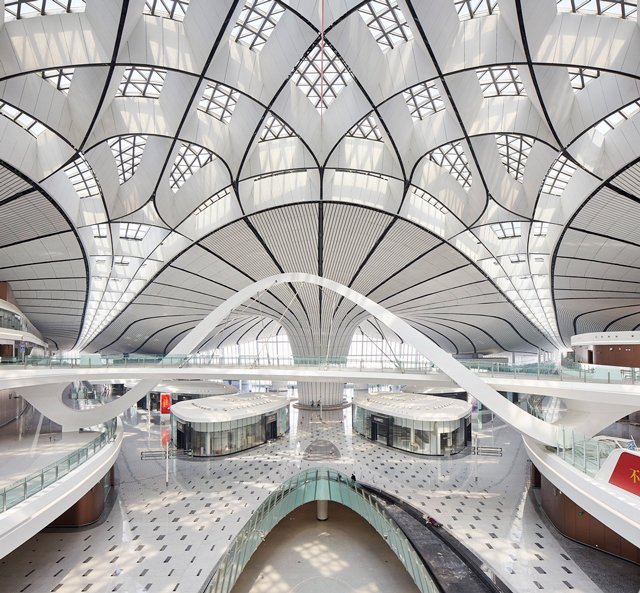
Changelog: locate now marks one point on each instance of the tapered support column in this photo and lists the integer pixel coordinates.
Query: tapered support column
(322, 510)
(330, 394)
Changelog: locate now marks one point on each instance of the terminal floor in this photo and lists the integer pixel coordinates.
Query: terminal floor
(27, 446)
(343, 554)
(169, 539)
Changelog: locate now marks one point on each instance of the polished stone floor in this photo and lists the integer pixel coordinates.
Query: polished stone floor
(169, 539)
(343, 554)
(27, 445)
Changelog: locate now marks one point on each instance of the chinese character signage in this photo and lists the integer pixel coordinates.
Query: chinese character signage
(165, 403)
(626, 475)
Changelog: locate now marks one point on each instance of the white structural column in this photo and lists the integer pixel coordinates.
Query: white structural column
(329, 394)
(52, 406)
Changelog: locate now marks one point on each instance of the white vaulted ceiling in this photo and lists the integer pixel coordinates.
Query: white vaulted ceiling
(471, 165)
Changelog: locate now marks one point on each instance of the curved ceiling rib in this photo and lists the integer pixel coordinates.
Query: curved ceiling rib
(488, 197)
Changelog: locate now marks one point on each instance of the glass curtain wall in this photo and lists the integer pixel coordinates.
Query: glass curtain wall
(425, 437)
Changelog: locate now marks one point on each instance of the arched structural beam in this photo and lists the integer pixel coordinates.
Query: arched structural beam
(51, 405)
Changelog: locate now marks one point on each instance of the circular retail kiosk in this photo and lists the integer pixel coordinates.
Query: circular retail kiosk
(226, 424)
(414, 422)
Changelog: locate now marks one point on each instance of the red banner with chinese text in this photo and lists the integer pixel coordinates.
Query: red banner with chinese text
(626, 475)
(165, 403)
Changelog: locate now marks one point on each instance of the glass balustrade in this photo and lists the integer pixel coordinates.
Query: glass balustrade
(409, 364)
(309, 486)
(582, 452)
(15, 493)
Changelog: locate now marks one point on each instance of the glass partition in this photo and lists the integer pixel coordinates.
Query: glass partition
(308, 486)
(15, 493)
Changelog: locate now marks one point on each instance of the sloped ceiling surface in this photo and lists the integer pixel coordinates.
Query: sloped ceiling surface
(470, 165)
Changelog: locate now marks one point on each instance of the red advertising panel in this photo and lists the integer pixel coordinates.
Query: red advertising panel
(165, 403)
(626, 475)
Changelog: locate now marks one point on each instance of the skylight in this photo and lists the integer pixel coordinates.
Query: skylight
(517, 258)
(82, 178)
(120, 260)
(133, 231)
(18, 9)
(190, 159)
(223, 193)
(469, 9)
(617, 117)
(275, 128)
(257, 21)
(141, 82)
(386, 23)
(33, 126)
(100, 231)
(127, 150)
(59, 78)
(540, 228)
(366, 128)
(616, 8)
(499, 81)
(558, 176)
(452, 158)
(219, 101)
(514, 152)
(423, 100)
(581, 77)
(506, 230)
(430, 200)
(169, 9)
(307, 76)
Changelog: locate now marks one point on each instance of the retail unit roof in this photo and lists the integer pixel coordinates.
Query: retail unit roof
(415, 406)
(227, 408)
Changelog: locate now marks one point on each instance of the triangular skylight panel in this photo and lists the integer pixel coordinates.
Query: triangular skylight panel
(498, 81)
(141, 82)
(366, 128)
(386, 23)
(616, 8)
(17, 9)
(581, 77)
(219, 101)
(223, 193)
(617, 117)
(452, 158)
(558, 176)
(82, 178)
(423, 100)
(469, 9)
(59, 78)
(169, 9)
(430, 200)
(307, 76)
(127, 151)
(275, 128)
(33, 126)
(190, 159)
(257, 21)
(514, 152)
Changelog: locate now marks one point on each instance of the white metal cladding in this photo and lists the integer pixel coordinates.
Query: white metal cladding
(315, 199)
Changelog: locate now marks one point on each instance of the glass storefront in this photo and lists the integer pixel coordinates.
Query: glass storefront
(424, 437)
(206, 439)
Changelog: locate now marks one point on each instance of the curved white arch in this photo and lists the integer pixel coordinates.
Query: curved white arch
(510, 413)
